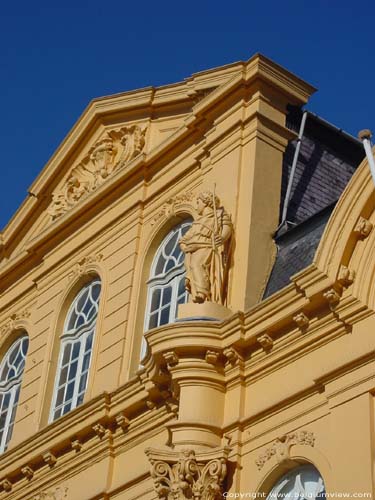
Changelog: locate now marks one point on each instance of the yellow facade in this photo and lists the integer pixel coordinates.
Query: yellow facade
(284, 381)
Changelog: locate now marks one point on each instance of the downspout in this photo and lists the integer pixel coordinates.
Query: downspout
(365, 137)
(293, 170)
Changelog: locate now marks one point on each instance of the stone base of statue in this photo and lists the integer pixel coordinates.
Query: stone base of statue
(207, 311)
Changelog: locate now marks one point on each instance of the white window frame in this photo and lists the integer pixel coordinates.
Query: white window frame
(163, 280)
(75, 336)
(12, 386)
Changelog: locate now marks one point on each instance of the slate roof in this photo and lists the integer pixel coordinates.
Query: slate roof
(296, 249)
(327, 160)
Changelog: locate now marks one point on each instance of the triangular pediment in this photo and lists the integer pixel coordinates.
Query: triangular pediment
(113, 135)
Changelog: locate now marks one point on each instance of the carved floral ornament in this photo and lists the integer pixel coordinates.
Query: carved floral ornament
(12, 321)
(84, 265)
(111, 153)
(280, 448)
(58, 493)
(172, 205)
(187, 475)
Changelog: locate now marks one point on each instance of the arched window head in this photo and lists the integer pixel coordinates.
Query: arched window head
(166, 286)
(11, 371)
(302, 483)
(75, 351)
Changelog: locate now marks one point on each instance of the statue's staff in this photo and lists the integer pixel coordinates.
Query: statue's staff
(215, 249)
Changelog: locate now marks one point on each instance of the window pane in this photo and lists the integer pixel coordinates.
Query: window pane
(67, 351)
(155, 301)
(76, 349)
(168, 249)
(73, 370)
(167, 294)
(153, 323)
(164, 317)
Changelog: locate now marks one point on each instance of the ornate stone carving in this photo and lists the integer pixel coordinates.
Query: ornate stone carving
(11, 322)
(58, 493)
(6, 485)
(28, 472)
(99, 430)
(212, 357)
(122, 421)
(172, 205)
(281, 447)
(301, 320)
(76, 445)
(346, 276)
(332, 297)
(232, 355)
(265, 341)
(49, 458)
(171, 358)
(107, 155)
(207, 247)
(83, 266)
(363, 227)
(187, 475)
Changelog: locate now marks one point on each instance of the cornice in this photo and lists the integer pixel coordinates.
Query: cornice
(116, 420)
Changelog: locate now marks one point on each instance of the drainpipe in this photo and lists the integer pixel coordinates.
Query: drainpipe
(365, 137)
(293, 170)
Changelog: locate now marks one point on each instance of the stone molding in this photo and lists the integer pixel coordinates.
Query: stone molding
(110, 153)
(186, 474)
(280, 448)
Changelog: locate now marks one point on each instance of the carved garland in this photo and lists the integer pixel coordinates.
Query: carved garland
(11, 323)
(109, 154)
(170, 206)
(281, 447)
(84, 265)
(185, 475)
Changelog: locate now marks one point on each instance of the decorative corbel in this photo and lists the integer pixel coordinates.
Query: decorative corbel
(99, 430)
(122, 421)
(49, 458)
(232, 355)
(28, 472)
(171, 358)
(332, 297)
(212, 357)
(363, 228)
(151, 405)
(346, 276)
(301, 320)
(265, 341)
(6, 485)
(76, 445)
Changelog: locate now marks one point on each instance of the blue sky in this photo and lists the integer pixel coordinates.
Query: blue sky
(56, 57)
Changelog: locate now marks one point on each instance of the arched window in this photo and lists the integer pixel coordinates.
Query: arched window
(301, 483)
(11, 370)
(166, 286)
(75, 351)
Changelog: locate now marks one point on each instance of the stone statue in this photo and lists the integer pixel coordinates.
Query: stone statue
(207, 246)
